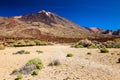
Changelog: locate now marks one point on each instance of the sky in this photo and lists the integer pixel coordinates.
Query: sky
(103, 14)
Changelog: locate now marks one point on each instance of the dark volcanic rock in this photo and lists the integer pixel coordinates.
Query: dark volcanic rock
(27, 69)
(116, 32)
(109, 32)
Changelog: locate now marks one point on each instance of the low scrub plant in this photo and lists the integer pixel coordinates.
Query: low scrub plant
(35, 72)
(77, 45)
(89, 53)
(55, 63)
(19, 77)
(39, 51)
(2, 47)
(37, 62)
(117, 46)
(40, 43)
(14, 71)
(22, 52)
(23, 43)
(104, 50)
(69, 55)
(118, 60)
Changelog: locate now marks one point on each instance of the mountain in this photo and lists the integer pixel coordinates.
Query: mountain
(95, 30)
(41, 25)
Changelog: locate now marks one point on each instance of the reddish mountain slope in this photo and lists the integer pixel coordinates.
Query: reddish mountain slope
(41, 25)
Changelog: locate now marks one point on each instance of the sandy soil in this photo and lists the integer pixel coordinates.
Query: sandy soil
(97, 66)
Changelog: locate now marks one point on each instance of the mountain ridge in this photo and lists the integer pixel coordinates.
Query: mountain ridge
(45, 26)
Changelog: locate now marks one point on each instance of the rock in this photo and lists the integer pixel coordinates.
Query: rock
(27, 69)
(85, 42)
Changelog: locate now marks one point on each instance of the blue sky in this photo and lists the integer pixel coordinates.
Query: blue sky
(90, 13)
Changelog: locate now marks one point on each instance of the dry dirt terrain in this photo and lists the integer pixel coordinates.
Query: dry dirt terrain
(97, 66)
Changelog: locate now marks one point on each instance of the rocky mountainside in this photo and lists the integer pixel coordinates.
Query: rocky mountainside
(41, 25)
(46, 26)
(95, 30)
(110, 32)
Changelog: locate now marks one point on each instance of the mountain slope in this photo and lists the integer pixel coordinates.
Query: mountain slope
(41, 25)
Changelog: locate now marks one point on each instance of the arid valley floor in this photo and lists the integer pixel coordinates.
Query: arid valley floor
(96, 66)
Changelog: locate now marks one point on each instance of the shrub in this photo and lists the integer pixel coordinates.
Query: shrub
(69, 55)
(55, 63)
(14, 71)
(77, 45)
(30, 43)
(19, 77)
(27, 52)
(37, 62)
(40, 43)
(23, 43)
(2, 47)
(39, 66)
(22, 52)
(104, 50)
(112, 53)
(118, 60)
(35, 72)
(117, 46)
(89, 53)
(39, 51)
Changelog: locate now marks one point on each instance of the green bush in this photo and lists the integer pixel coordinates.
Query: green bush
(19, 77)
(39, 51)
(89, 53)
(22, 52)
(69, 55)
(118, 60)
(2, 47)
(14, 71)
(29, 43)
(37, 62)
(104, 50)
(27, 52)
(39, 66)
(35, 72)
(117, 46)
(23, 43)
(40, 43)
(77, 45)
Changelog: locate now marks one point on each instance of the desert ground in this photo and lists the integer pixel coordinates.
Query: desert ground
(96, 66)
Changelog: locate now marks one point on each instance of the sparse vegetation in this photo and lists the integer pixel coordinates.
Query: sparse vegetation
(117, 46)
(14, 71)
(2, 47)
(77, 45)
(37, 62)
(23, 43)
(35, 72)
(89, 53)
(112, 53)
(69, 55)
(39, 51)
(104, 50)
(19, 77)
(118, 60)
(55, 63)
(22, 52)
